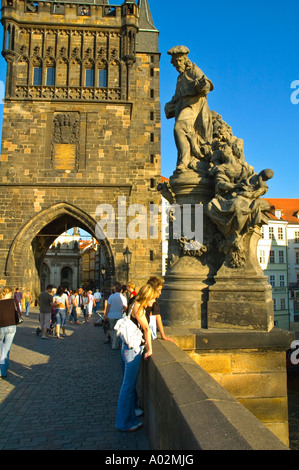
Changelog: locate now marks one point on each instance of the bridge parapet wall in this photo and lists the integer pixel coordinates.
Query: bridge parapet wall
(186, 409)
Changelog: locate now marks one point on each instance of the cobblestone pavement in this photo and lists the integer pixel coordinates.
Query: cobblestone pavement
(62, 394)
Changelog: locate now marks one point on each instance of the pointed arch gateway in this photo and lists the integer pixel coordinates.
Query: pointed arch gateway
(26, 254)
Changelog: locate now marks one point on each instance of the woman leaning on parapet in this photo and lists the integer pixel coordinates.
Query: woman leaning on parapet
(126, 416)
(8, 327)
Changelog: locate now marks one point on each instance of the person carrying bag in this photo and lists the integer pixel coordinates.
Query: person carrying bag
(10, 317)
(131, 354)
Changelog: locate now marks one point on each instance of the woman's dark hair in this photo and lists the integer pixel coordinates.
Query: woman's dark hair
(60, 291)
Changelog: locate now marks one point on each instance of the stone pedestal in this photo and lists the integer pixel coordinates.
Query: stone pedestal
(184, 297)
(202, 290)
(241, 298)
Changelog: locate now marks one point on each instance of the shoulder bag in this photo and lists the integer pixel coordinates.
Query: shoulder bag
(128, 332)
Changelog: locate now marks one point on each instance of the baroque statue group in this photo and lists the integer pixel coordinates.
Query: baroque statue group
(207, 149)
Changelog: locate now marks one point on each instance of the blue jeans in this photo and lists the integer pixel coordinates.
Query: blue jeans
(60, 316)
(7, 334)
(74, 316)
(125, 413)
(27, 305)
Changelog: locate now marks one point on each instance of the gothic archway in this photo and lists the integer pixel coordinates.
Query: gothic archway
(26, 254)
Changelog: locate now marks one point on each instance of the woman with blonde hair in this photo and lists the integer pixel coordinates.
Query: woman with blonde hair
(126, 419)
(7, 327)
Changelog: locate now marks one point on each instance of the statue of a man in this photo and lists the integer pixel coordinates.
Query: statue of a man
(189, 107)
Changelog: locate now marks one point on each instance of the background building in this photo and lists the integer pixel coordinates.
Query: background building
(61, 262)
(278, 254)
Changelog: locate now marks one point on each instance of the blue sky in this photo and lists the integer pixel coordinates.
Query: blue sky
(249, 50)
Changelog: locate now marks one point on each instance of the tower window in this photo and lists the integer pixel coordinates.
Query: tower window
(37, 76)
(89, 77)
(109, 11)
(31, 7)
(102, 78)
(84, 10)
(50, 76)
(58, 9)
(152, 183)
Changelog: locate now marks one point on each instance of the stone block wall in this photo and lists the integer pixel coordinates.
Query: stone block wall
(257, 380)
(186, 409)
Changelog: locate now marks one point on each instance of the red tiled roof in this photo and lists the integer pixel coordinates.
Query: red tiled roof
(163, 179)
(84, 243)
(289, 209)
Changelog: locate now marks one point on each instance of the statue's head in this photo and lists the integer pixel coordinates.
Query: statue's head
(179, 58)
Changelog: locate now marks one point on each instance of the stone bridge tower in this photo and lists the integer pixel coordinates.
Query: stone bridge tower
(81, 128)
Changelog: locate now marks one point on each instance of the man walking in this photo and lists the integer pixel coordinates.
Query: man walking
(45, 301)
(18, 298)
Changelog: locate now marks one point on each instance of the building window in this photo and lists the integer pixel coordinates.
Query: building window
(58, 9)
(109, 11)
(272, 280)
(50, 76)
(271, 233)
(282, 304)
(102, 78)
(152, 183)
(151, 255)
(89, 77)
(281, 280)
(281, 256)
(262, 257)
(262, 232)
(274, 304)
(83, 10)
(272, 257)
(31, 7)
(152, 93)
(280, 233)
(37, 76)
(297, 257)
(296, 237)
